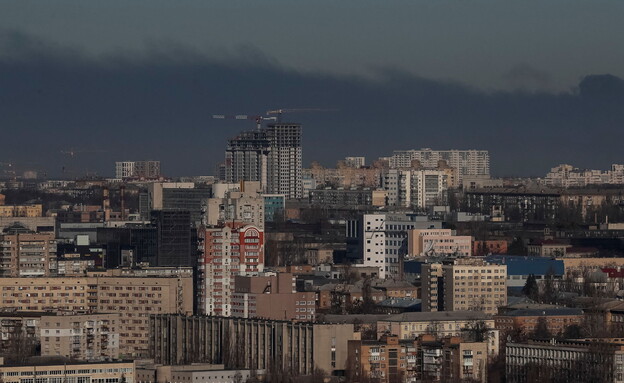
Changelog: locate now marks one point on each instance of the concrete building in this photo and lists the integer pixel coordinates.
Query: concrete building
(548, 248)
(415, 188)
(243, 205)
(467, 162)
(69, 371)
(246, 158)
(565, 175)
(135, 298)
(284, 161)
(228, 251)
(381, 239)
(437, 242)
(137, 169)
(272, 297)
(464, 285)
(257, 344)
(27, 254)
(175, 238)
(590, 360)
(88, 337)
(491, 246)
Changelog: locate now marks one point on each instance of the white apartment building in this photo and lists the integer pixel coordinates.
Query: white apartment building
(565, 175)
(355, 162)
(137, 169)
(417, 189)
(382, 239)
(467, 162)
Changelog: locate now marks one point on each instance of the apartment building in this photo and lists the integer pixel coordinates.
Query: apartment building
(27, 254)
(426, 359)
(467, 162)
(135, 298)
(246, 158)
(285, 160)
(104, 372)
(464, 285)
(137, 169)
(381, 239)
(355, 162)
(415, 188)
(437, 242)
(243, 205)
(234, 249)
(89, 337)
(565, 175)
(272, 297)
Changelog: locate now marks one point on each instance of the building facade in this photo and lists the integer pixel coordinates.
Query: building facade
(285, 160)
(467, 162)
(228, 251)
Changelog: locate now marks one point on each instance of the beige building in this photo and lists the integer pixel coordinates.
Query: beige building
(243, 205)
(422, 242)
(134, 298)
(547, 248)
(464, 285)
(27, 255)
(108, 372)
(331, 344)
(81, 337)
(272, 297)
(196, 373)
(35, 210)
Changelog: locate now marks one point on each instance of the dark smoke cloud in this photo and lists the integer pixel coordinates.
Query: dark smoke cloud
(158, 104)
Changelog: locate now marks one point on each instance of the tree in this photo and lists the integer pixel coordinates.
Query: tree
(530, 289)
(541, 330)
(477, 331)
(573, 331)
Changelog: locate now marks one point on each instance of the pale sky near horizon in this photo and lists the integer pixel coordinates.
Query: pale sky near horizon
(544, 45)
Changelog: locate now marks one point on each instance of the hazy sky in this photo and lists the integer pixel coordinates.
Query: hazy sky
(535, 82)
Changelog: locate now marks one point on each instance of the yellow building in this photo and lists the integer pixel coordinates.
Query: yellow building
(21, 210)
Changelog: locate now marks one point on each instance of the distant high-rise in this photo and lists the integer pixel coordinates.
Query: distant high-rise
(246, 158)
(285, 162)
(137, 169)
(271, 155)
(467, 162)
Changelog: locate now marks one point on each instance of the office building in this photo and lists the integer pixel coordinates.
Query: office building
(467, 162)
(584, 360)
(381, 239)
(129, 245)
(233, 249)
(285, 160)
(256, 344)
(274, 207)
(246, 158)
(438, 242)
(27, 254)
(137, 169)
(464, 285)
(175, 238)
(185, 196)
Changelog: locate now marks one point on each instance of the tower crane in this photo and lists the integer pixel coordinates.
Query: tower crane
(257, 118)
(279, 112)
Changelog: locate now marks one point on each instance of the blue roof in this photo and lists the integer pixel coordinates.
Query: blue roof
(524, 265)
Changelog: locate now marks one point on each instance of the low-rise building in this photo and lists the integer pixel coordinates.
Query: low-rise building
(43, 371)
(527, 320)
(438, 242)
